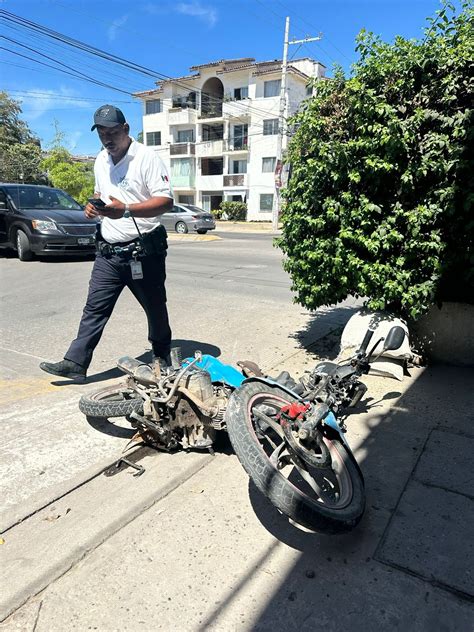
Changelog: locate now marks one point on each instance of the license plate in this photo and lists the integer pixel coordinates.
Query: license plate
(84, 241)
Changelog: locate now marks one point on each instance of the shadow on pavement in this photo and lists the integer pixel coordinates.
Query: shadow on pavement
(408, 564)
(109, 427)
(8, 253)
(331, 321)
(188, 348)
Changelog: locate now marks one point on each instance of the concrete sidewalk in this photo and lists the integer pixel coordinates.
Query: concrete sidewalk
(246, 227)
(191, 545)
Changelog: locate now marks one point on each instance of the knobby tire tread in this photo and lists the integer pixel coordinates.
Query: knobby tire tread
(97, 404)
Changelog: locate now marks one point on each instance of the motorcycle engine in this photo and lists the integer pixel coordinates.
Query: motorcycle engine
(196, 429)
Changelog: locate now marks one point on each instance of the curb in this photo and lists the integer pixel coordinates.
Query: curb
(59, 560)
(177, 237)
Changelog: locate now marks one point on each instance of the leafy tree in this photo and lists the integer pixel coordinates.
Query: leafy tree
(20, 152)
(12, 128)
(21, 163)
(380, 199)
(74, 177)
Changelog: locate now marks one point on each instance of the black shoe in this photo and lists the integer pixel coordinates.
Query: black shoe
(65, 368)
(165, 363)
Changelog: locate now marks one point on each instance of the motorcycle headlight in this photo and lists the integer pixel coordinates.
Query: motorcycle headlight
(41, 225)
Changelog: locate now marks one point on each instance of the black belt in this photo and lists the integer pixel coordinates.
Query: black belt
(133, 248)
(150, 243)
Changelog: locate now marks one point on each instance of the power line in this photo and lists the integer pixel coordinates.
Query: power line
(58, 95)
(56, 48)
(313, 27)
(78, 73)
(118, 60)
(50, 66)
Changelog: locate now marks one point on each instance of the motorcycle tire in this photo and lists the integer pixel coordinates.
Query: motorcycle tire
(284, 481)
(113, 401)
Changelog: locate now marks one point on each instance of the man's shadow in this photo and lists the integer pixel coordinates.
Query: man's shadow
(188, 349)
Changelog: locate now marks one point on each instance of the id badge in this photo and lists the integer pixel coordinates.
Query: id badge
(137, 270)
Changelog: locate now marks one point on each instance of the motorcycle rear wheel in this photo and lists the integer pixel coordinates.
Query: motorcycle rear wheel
(331, 499)
(113, 401)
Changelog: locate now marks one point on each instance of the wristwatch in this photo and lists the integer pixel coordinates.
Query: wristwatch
(126, 212)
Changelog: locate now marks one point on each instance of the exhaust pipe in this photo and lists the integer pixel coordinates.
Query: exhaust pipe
(141, 372)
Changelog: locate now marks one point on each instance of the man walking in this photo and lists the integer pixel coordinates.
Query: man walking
(132, 190)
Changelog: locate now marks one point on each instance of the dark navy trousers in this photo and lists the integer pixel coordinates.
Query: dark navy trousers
(109, 277)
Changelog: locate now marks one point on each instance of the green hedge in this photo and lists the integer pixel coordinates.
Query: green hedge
(232, 211)
(379, 203)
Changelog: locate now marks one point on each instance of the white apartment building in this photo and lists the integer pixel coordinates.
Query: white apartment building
(217, 129)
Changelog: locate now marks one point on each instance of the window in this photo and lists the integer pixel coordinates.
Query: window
(186, 199)
(241, 93)
(266, 201)
(153, 106)
(153, 138)
(212, 132)
(185, 136)
(240, 140)
(268, 165)
(270, 126)
(181, 167)
(309, 90)
(272, 88)
(239, 166)
(212, 166)
(184, 100)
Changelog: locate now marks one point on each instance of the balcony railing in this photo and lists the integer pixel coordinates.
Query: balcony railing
(211, 113)
(182, 116)
(236, 180)
(237, 109)
(183, 182)
(236, 144)
(210, 148)
(210, 183)
(182, 149)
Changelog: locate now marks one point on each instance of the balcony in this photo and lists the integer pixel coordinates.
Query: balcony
(237, 144)
(182, 116)
(182, 149)
(210, 114)
(210, 148)
(210, 183)
(183, 182)
(237, 110)
(235, 180)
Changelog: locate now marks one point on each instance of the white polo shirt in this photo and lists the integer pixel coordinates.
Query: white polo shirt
(140, 174)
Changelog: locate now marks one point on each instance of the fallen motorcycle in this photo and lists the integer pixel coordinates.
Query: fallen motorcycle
(288, 436)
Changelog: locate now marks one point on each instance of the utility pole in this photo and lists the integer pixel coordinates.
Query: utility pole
(283, 114)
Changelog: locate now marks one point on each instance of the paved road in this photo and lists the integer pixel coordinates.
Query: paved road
(191, 545)
(228, 297)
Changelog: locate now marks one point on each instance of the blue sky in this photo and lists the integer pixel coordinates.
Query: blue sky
(168, 37)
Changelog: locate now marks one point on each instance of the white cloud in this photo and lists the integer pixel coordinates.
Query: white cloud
(41, 101)
(115, 26)
(207, 14)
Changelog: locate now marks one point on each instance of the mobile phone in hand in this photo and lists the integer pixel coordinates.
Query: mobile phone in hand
(97, 203)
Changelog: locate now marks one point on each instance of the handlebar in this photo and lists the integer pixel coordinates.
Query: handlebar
(365, 343)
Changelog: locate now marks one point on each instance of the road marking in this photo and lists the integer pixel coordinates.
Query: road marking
(13, 390)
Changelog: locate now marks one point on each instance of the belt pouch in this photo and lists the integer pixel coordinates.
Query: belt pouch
(156, 242)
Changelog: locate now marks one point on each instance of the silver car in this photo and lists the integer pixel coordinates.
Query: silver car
(184, 218)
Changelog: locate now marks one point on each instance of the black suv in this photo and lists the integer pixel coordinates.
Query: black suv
(36, 219)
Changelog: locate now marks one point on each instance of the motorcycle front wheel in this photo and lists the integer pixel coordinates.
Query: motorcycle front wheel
(113, 401)
(330, 499)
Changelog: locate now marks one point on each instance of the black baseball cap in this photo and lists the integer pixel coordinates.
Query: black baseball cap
(108, 116)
